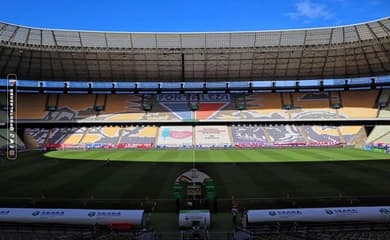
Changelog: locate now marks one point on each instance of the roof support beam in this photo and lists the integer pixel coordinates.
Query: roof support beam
(364, 54)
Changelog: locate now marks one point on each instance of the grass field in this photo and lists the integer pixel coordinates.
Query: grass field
(268, 173)
(65, 179)
(222, 156)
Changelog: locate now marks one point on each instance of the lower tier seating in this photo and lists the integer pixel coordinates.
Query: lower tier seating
(198, 136)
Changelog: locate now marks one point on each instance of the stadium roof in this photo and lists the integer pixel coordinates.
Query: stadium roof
(334, 52)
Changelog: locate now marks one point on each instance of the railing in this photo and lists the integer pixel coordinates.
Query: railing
(221, 204)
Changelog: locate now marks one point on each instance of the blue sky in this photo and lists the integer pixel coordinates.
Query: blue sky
(191, 15)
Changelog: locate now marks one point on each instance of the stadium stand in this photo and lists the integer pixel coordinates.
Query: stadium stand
(95, 137)
(286, 135)
(249, 136)
(138, 137)
(80, 104)
(378, 133)
(121, 107)
(35, 137)
(75, 136)
(61, 61)
(229, 111)
(212, 136)
(264, 106)
(124, 107)
(58, 136)
(358, 104)
(175, 136)
(31, 106)
(312, 106)
(353, 135)
(200, 136)
(101, 136)
(327, 135)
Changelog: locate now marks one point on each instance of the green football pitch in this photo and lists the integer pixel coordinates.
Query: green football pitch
(222, 155)
(245, 173)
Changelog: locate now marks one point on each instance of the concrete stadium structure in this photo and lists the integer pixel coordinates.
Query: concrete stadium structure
(334, 52)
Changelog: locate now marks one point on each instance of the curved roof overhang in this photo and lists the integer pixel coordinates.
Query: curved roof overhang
(334, 52)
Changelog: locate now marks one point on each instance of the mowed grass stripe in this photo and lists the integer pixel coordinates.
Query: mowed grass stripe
(35, 180)
(222, 156)
(67, 178)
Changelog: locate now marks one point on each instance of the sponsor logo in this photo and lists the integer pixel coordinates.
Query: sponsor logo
(6, 212)
(384, 210)
(341, 211)
(108, 214)
(35, 213)
(193, 97)
(272, 213)
(48, 213)
(329, 212)
(104, 214)
(285, 213)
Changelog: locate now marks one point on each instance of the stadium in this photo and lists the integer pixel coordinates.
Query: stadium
(119, 135)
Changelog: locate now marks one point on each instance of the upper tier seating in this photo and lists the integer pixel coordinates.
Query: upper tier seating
(81, 105)
(312, 106)
(178, 107)
(264, 106)
(125, 107)
(359, 104)
(31, 106)
(122, 107)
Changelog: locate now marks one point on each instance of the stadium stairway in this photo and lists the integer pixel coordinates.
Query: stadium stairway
(229, 129)
(360, 138)
(85, 133)
(267, 135)
(156, 140)
(342, 139)
(193, 136)
(303, 133)
(120, 136)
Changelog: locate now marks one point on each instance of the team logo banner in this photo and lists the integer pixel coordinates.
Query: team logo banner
(193, 98)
